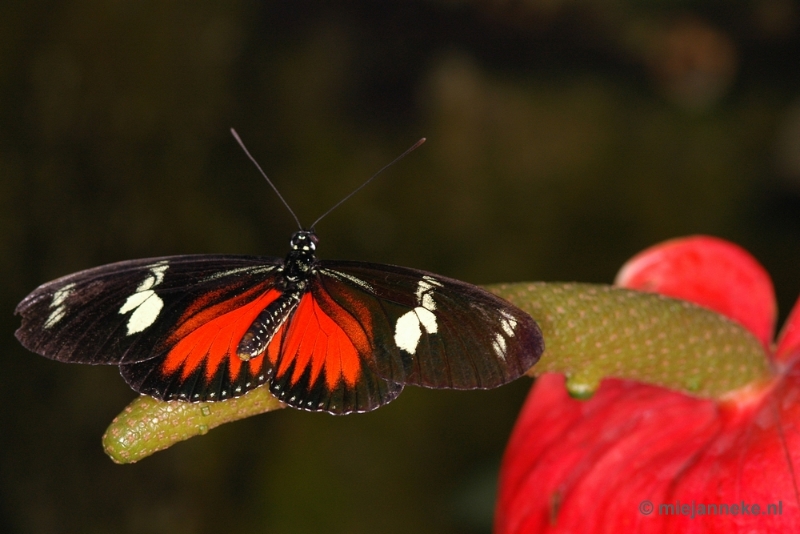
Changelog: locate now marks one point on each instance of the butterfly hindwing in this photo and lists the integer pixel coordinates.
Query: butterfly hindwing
(433, 331)
(322, 360)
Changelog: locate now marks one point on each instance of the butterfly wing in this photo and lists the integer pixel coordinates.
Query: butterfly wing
(322, 360)
(146, 315)
(428, 330)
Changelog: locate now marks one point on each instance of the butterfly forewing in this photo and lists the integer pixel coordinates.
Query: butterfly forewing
(136, 310)
(433, 331)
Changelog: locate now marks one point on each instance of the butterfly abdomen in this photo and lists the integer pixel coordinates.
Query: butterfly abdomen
(255, 341)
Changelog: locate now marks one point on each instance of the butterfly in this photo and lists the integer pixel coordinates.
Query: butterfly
(333, 336)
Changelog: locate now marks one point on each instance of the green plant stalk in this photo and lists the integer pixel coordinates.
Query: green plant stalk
(148, 425)
(596, 331)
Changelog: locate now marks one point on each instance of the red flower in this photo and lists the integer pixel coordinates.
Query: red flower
(641, 458)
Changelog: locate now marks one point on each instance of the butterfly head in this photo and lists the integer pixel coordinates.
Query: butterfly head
(304, 241)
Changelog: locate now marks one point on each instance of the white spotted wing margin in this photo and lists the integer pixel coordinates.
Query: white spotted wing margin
(432, 331)
(125, 312)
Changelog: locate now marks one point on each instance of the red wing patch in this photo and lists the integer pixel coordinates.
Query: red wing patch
(322, 360)
(216, 340)
(316, 344)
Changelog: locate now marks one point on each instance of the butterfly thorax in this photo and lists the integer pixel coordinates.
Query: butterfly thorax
(299, 263)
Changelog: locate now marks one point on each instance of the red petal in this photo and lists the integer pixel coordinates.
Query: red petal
(711, 272)
(788, 347)
(587, 467)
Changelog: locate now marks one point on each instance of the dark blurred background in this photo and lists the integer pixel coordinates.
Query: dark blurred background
(563, 137)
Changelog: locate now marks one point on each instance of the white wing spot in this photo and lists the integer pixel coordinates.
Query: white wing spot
(136, 300)
(61, 295)
(155, 277)
(508, 323)
(59, 308)
(145, 313)
(55, 316)
(427, 302)
(499, 345)
(422, 287)
(431, 280)
(407, 331)
(424, 292)
(144, 303)
(428, 319)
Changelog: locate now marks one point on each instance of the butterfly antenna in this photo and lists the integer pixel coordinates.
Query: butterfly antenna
(359, 188)
(241, 144)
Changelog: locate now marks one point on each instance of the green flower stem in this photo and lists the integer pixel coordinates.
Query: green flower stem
(590, 331)
(147, 425)
(597, 331)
